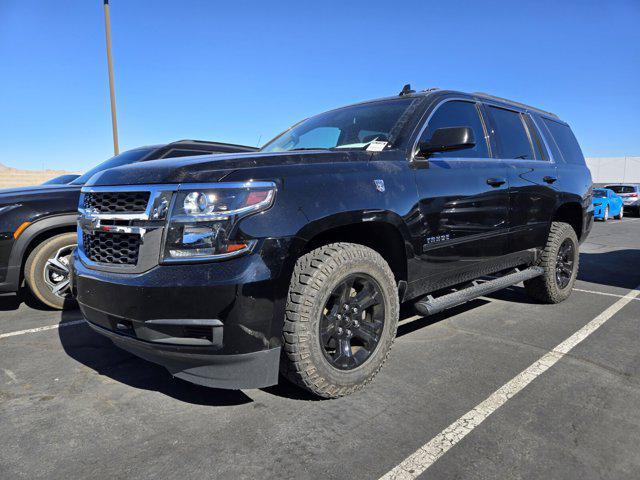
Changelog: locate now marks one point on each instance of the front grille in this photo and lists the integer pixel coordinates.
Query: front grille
(115, 248)
(116, 202)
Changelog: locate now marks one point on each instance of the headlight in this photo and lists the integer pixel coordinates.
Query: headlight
(203, 220)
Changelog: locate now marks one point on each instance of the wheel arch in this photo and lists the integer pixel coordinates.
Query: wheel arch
(382, 231)
(35, 234)
(570, 212)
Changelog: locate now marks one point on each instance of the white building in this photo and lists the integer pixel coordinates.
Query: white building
(614, 169)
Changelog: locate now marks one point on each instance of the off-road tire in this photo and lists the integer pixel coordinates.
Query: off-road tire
(314, 277)
(34, 271)
(545, 288)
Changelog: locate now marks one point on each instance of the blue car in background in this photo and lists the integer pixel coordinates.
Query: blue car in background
(607, 204)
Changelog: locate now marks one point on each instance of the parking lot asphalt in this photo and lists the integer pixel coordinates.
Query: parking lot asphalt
(72, 405)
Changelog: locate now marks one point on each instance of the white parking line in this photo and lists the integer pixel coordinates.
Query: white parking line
(603, 293)
(419, 461)
(41, 329)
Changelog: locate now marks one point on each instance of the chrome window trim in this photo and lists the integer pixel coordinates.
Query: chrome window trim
(541, 134)
(414, 148)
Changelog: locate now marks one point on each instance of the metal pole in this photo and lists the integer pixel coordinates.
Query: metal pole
(114, 122)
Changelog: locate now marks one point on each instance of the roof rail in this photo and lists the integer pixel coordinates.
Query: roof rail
(521, 105)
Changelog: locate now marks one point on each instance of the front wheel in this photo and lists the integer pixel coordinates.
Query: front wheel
(341, 319)
(560, 260)
(605, 215)
(47, 271)
(620, 215)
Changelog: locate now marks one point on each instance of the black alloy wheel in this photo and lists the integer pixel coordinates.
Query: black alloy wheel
(352, 322)
(564, 263)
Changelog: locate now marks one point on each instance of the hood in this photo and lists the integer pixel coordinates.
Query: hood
(214, 168)
(7, 193)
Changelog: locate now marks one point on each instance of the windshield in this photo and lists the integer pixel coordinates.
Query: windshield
(117, 161)
(348, 127)
(622, 188)
(599, 193)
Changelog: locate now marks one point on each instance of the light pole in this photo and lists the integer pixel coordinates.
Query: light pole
(114, 122)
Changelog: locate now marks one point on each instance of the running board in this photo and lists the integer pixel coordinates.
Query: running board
(431, 305)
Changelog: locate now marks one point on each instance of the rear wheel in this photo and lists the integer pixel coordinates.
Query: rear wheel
(47, 271)
(341, 319)
(560, 260)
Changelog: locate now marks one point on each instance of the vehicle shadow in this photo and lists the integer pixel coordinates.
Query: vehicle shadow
(12, 301)
(615, 268)
(100, 354)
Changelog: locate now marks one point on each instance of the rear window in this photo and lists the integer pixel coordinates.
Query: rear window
(566, 142)
(622, 188)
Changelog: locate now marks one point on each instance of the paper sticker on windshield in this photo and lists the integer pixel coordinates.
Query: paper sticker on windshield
(376, 146)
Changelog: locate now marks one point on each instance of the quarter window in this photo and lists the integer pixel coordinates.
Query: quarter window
(511, 135)
(566, 142)
(457, 113)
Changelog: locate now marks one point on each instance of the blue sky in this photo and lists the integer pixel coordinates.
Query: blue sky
(243, 71)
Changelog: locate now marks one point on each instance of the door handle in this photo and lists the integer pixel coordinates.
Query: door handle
(549, 179)
(496, 182)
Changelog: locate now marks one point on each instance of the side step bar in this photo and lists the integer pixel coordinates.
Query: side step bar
(431, 305)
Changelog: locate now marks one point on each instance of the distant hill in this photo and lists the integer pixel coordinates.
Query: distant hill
(14, 177)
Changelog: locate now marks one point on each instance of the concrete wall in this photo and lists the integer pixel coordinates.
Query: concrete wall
(614, 169)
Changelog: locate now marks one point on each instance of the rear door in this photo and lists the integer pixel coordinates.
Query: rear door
(463, 196)
(531, 175)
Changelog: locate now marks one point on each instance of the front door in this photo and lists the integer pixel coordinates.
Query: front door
(463, 199)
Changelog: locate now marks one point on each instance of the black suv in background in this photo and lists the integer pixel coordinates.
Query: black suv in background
(230, 268)
(38, 223)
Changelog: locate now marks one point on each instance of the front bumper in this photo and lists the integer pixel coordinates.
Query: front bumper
(197, 365)
(598, 211)
(214, 324)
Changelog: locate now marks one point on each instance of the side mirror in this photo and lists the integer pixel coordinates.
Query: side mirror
(446, 140)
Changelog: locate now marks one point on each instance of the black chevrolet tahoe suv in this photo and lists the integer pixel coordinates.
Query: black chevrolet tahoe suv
(38, 223)
(230, 269)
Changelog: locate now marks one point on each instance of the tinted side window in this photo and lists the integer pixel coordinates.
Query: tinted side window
(513, 140)
(458, 114)
(566, 142)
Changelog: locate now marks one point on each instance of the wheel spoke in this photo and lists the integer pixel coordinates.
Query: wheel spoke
(326, 333)
(57, 265)
(367, 297)
(366, 333)
(347, 286)
(344, 355)
(61, 287)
